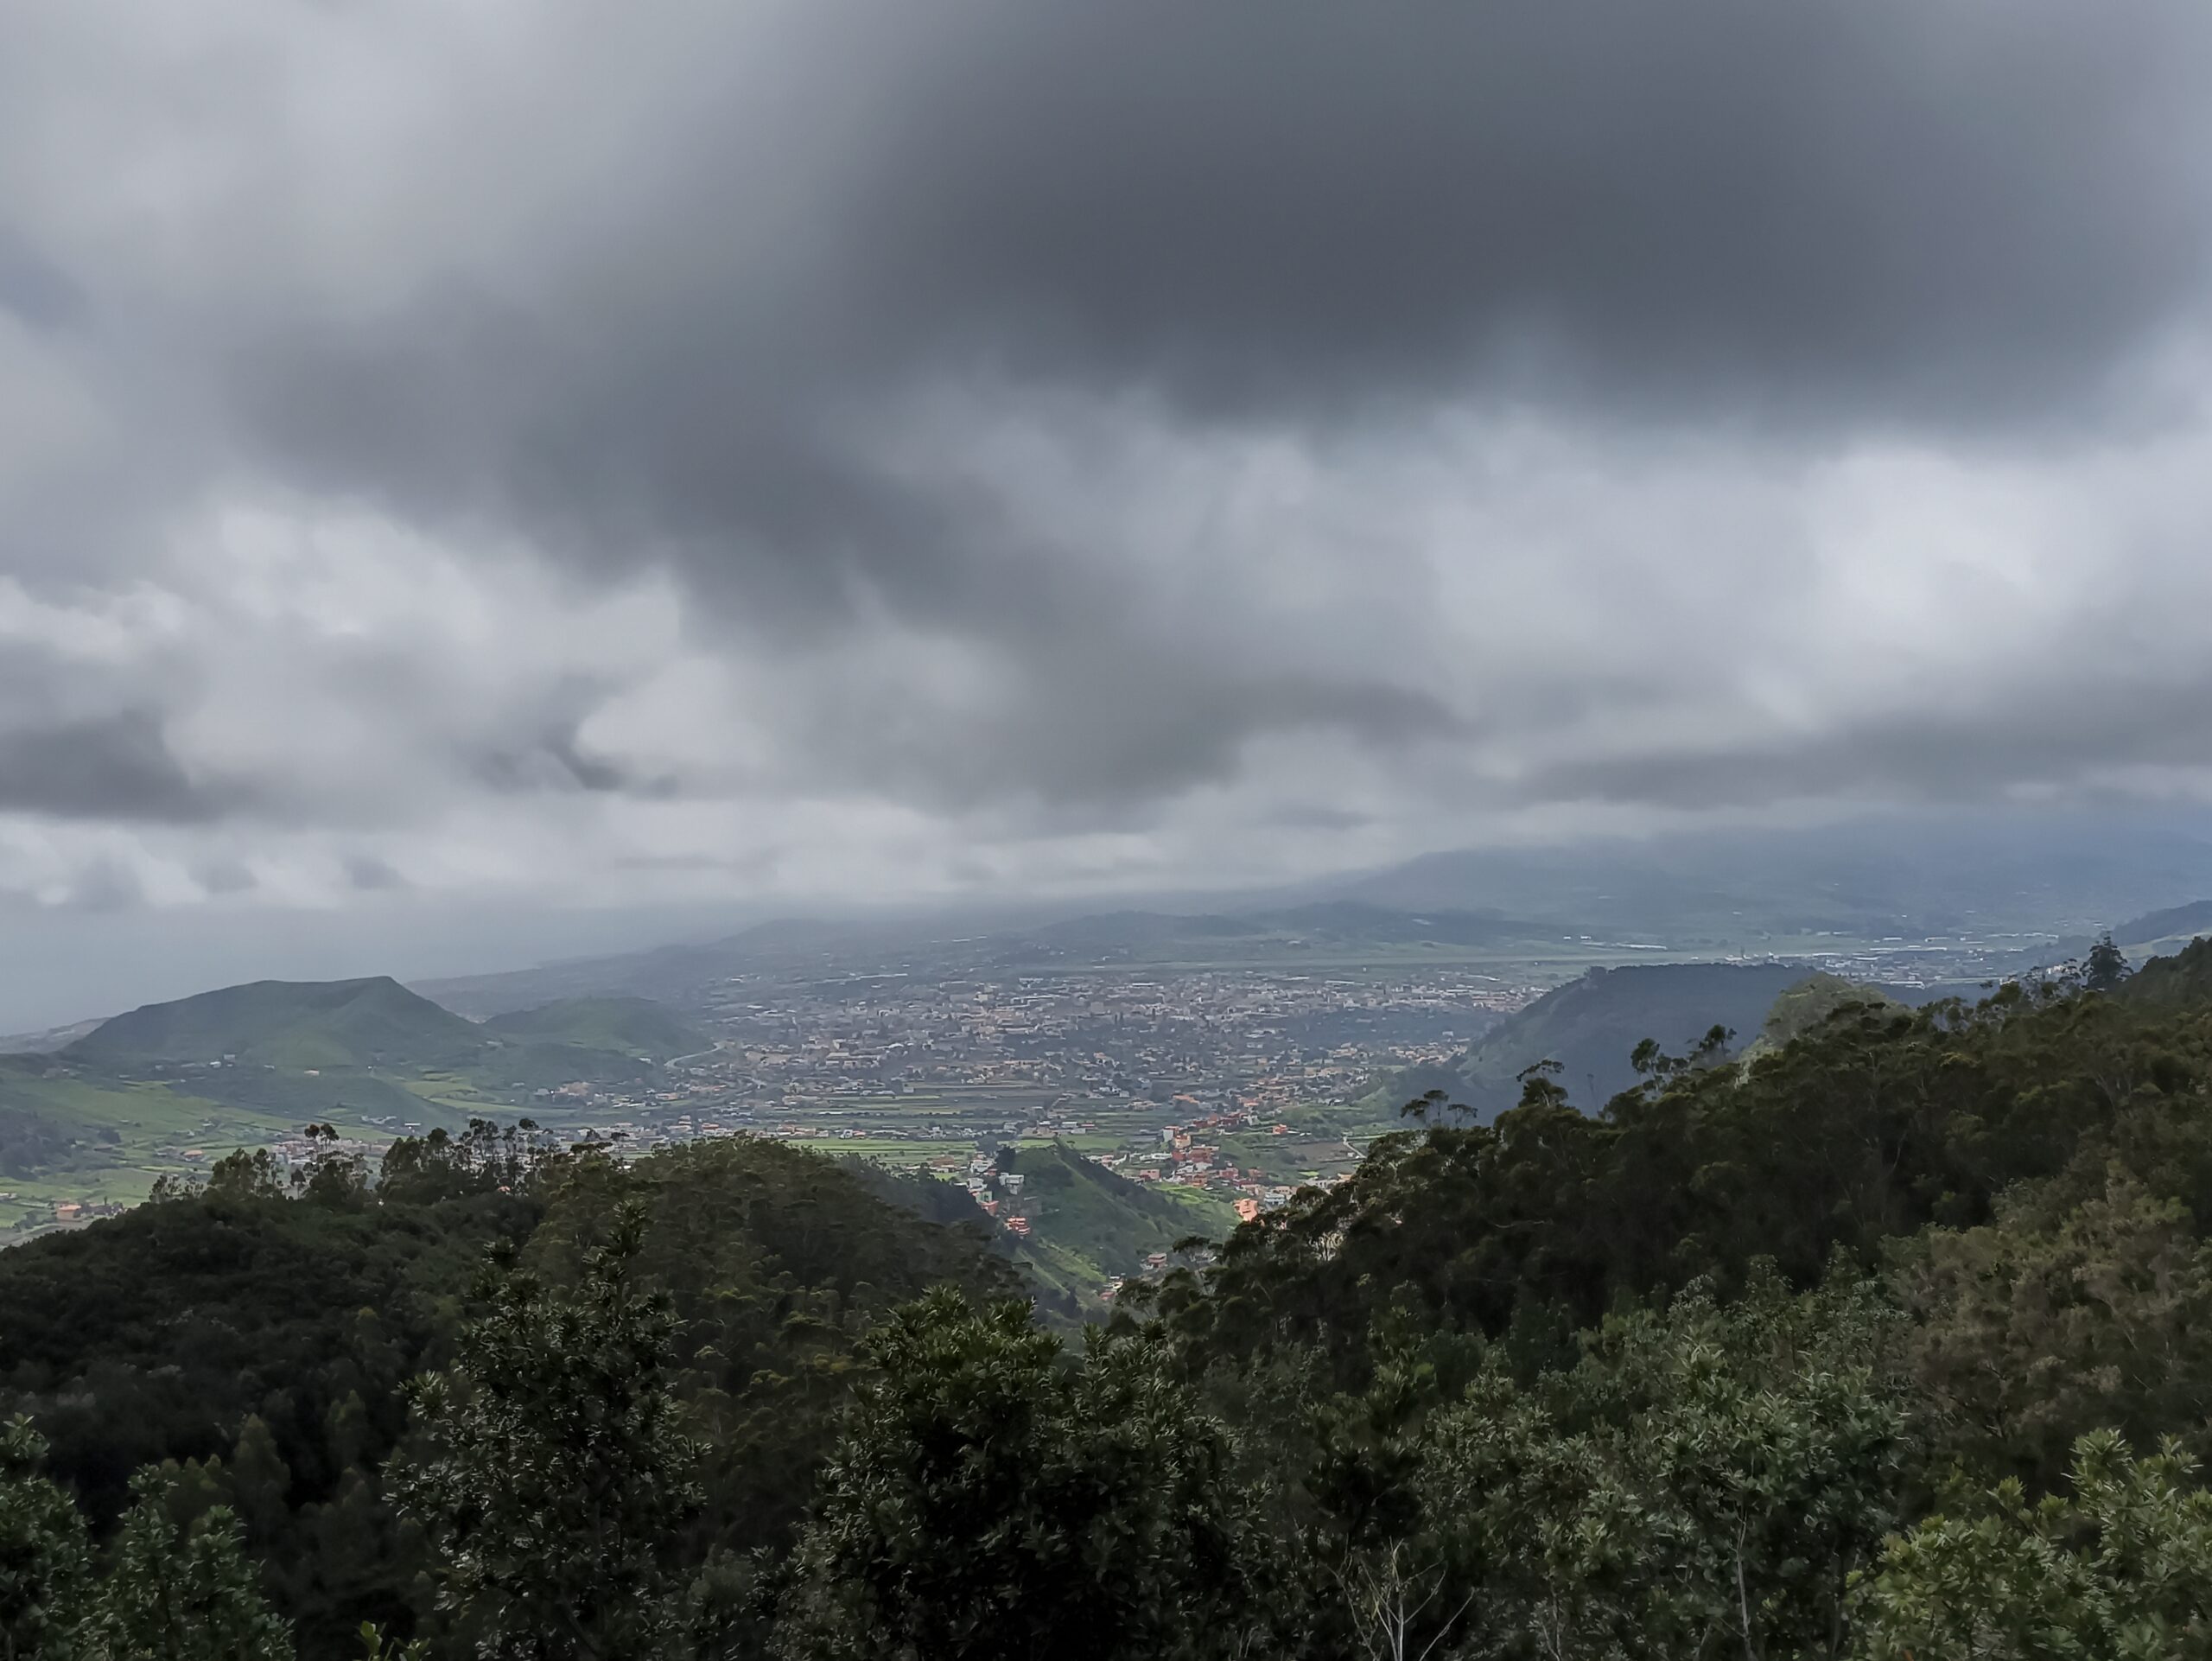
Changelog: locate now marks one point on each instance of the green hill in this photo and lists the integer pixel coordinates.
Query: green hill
(1088, 1226)
(295, 1025)
(1590, 1025)
(100, 1119)
(632, 1026)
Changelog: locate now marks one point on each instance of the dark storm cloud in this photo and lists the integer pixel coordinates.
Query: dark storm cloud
(1950, 217)
(34, 289)
(1894, 206)
(366, 874)
(553, 763)
(556, 763)
(225, 875)
(1116, 730)
(2046, 734)
(539, 748)
(1957, 210)
(107, 767)
(106, 885)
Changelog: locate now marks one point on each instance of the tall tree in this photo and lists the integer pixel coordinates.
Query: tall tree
(2106, 966)
(2049, 1323)
(988, 1502)
(181, 1594)
(43, 1560)
(556, 1480)
(1707, 1481)
(2120, 1569)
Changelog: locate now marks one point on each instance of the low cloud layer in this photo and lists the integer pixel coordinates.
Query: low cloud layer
(782, 452)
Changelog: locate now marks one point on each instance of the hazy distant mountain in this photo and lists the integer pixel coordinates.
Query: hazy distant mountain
(2166, 930)
(44, 1043)
(2011, 882)
(1591, 1026)
(1983, 874)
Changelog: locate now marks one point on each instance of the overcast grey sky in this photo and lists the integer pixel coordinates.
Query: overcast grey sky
(558, 454)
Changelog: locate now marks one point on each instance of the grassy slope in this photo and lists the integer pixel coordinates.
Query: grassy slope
(113, 1137)
(1088, 1226)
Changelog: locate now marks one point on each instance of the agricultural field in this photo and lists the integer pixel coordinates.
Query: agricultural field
(70, 1140)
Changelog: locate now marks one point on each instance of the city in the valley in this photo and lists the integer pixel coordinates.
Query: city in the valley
(1246, 1084)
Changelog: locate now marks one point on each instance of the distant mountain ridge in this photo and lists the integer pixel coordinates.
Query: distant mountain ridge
(1935, 873)
(2171, 928)
(2015, 881)
(46, 1042)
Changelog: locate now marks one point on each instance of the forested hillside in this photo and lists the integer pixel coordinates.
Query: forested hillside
(1892, 1340)
(257, 1347)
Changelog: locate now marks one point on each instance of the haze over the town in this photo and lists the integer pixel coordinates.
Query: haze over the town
(483, 483)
